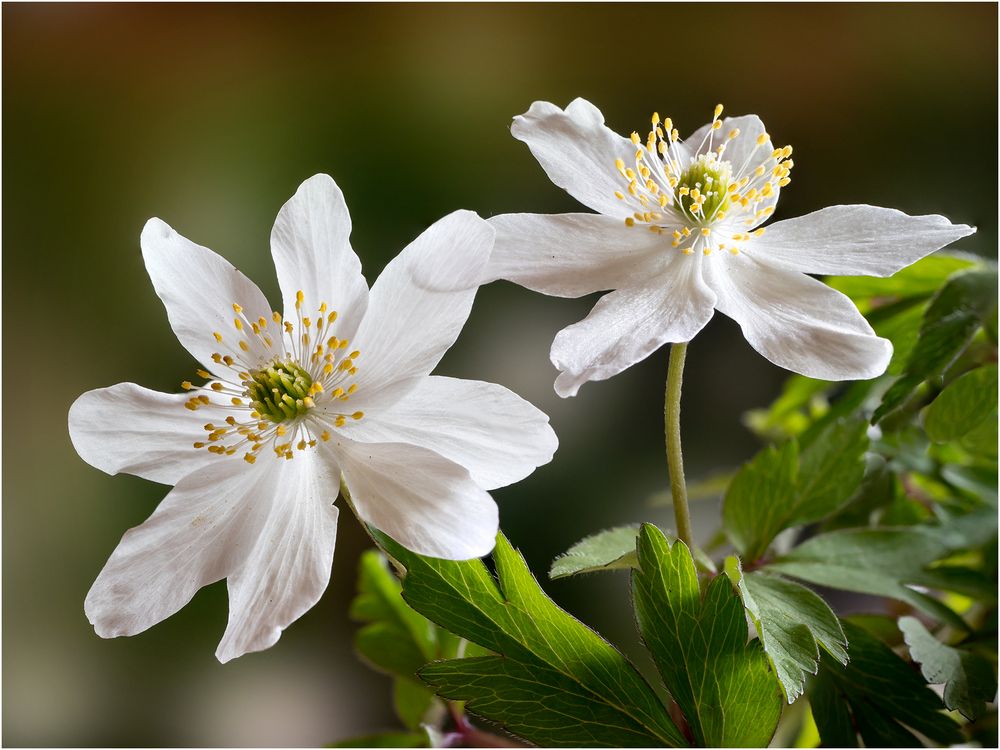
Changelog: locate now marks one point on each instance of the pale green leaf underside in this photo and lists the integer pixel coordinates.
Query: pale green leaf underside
(969, 683)
(554, 682)
(610, 549)
(721, 682)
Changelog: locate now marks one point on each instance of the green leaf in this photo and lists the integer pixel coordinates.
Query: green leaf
(885, 697)
(554, 681)
(801, 401)
(922, 278)
(951, 320)
(969, 682)
(959, 408)
(412, 701)
(721, 681)
(792, 622)
(610, 549)
(387, 739)
(781, 488)
(883, 561)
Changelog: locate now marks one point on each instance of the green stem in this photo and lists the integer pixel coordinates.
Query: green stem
(672, 432)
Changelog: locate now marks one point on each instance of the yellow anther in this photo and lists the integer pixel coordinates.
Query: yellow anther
(707, 251)
(786, 152)
(204, 399)
(683, 190)
(308, 402)
(705, 231)
(237, 402)
(619, 195)
(244, 346)
(620, 165)
(664, 200)
(635, 138)
(784, 181)
(339, 421)
(734, 250)
(687, 251)
(217, 358)
(216, 386)
(717, 124)
(734, 133)
(337, 393)
(344, 343)
(759, 232)
(203, 374)
(228, 360)
(238, 323)
(676, 234)
(762, 139)
(307, 322)
(324, 436)
(276, 316)
(327, 368)
(198, 445)
(718, 111)
(187, 385)
(262, 322)
(655, 119)
(358, 415)
(630, 173)
(237, 309)
(299, 296)
(686, 232)
(218, 336)
(776, 153)
(629, 221)
(301, 445)
(249, 458)
(289, 327)
(280, 430)
(209, 427)
(192, 405)
(674, 135)
(255, 327)
(353, 388)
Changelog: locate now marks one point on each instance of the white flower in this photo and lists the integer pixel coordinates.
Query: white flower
(677, 237)
(339, 384)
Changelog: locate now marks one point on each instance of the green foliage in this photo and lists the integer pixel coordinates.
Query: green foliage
(610, 549)
(782, 487)
(877, 696)
(963, 405)
(721, 681)
(553, 681)
(801, 401)
(960, 308)
(793, 623)
(920, 280)
(968, 679)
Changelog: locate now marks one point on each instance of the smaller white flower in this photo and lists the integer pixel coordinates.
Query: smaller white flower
(337, 385)
(677, 236)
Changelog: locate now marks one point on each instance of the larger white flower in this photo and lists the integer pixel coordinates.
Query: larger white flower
(338, 385)
(676, 236)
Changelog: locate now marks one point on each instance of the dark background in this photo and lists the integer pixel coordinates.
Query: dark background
(210, 116)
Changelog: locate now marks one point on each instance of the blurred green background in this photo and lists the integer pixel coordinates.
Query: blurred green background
(210, 116)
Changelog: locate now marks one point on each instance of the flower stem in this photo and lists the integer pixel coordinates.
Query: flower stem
(672, 432)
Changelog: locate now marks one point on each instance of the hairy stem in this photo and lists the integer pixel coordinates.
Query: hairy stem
(672, 432)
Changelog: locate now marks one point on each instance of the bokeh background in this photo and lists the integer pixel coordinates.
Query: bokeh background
(210, 116)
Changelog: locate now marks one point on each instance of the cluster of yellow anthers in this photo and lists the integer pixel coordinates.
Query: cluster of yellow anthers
(276, 397)
(706, 190)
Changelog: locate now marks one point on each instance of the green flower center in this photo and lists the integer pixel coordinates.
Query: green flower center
(703, 189)
(280, 392)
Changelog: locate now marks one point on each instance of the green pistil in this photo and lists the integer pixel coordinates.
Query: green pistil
(711, 178)
(279, 391)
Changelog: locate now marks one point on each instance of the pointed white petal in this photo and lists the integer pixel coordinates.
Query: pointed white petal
(197, 535)
(626, 326)
(131, 429)
(744, 154)
(310, 243)
(199, 288)
(495, 434)
(570, 255)
(425, 502)
(578, 152)
(421, 301)
(855, 240)
(795, 321)
(287, 564)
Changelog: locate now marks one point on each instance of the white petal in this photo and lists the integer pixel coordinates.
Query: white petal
(570, 255)
(131, 429)
(287, 564)
(425, 502)
(495, 434)
(626, 326)
(421, 301)
(795, 321)
(199, 288)
(577, 152)
(856, 240)
(744, 154)
(310, 243)
(197, 535)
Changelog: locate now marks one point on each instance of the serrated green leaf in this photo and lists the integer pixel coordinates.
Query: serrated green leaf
(792, 622)
(922, 278)
(386, 739)
(554, 682)
(883, 561)
(610, 549)
(782, 487)
(721, 682)
(958, 310)
(885, 697)
(960, 407)
(968, 679)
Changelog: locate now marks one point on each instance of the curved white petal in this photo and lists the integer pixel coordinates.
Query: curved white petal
(745, 154)
(131, 429)
(494, 433)
(421, 300)
(197, 535)
(311, 247)
(577, 152)
(855, 240)
(199, 288)
(424, 501)
(287, 564)
(795, 321)
(570, 255)
(626, 326)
